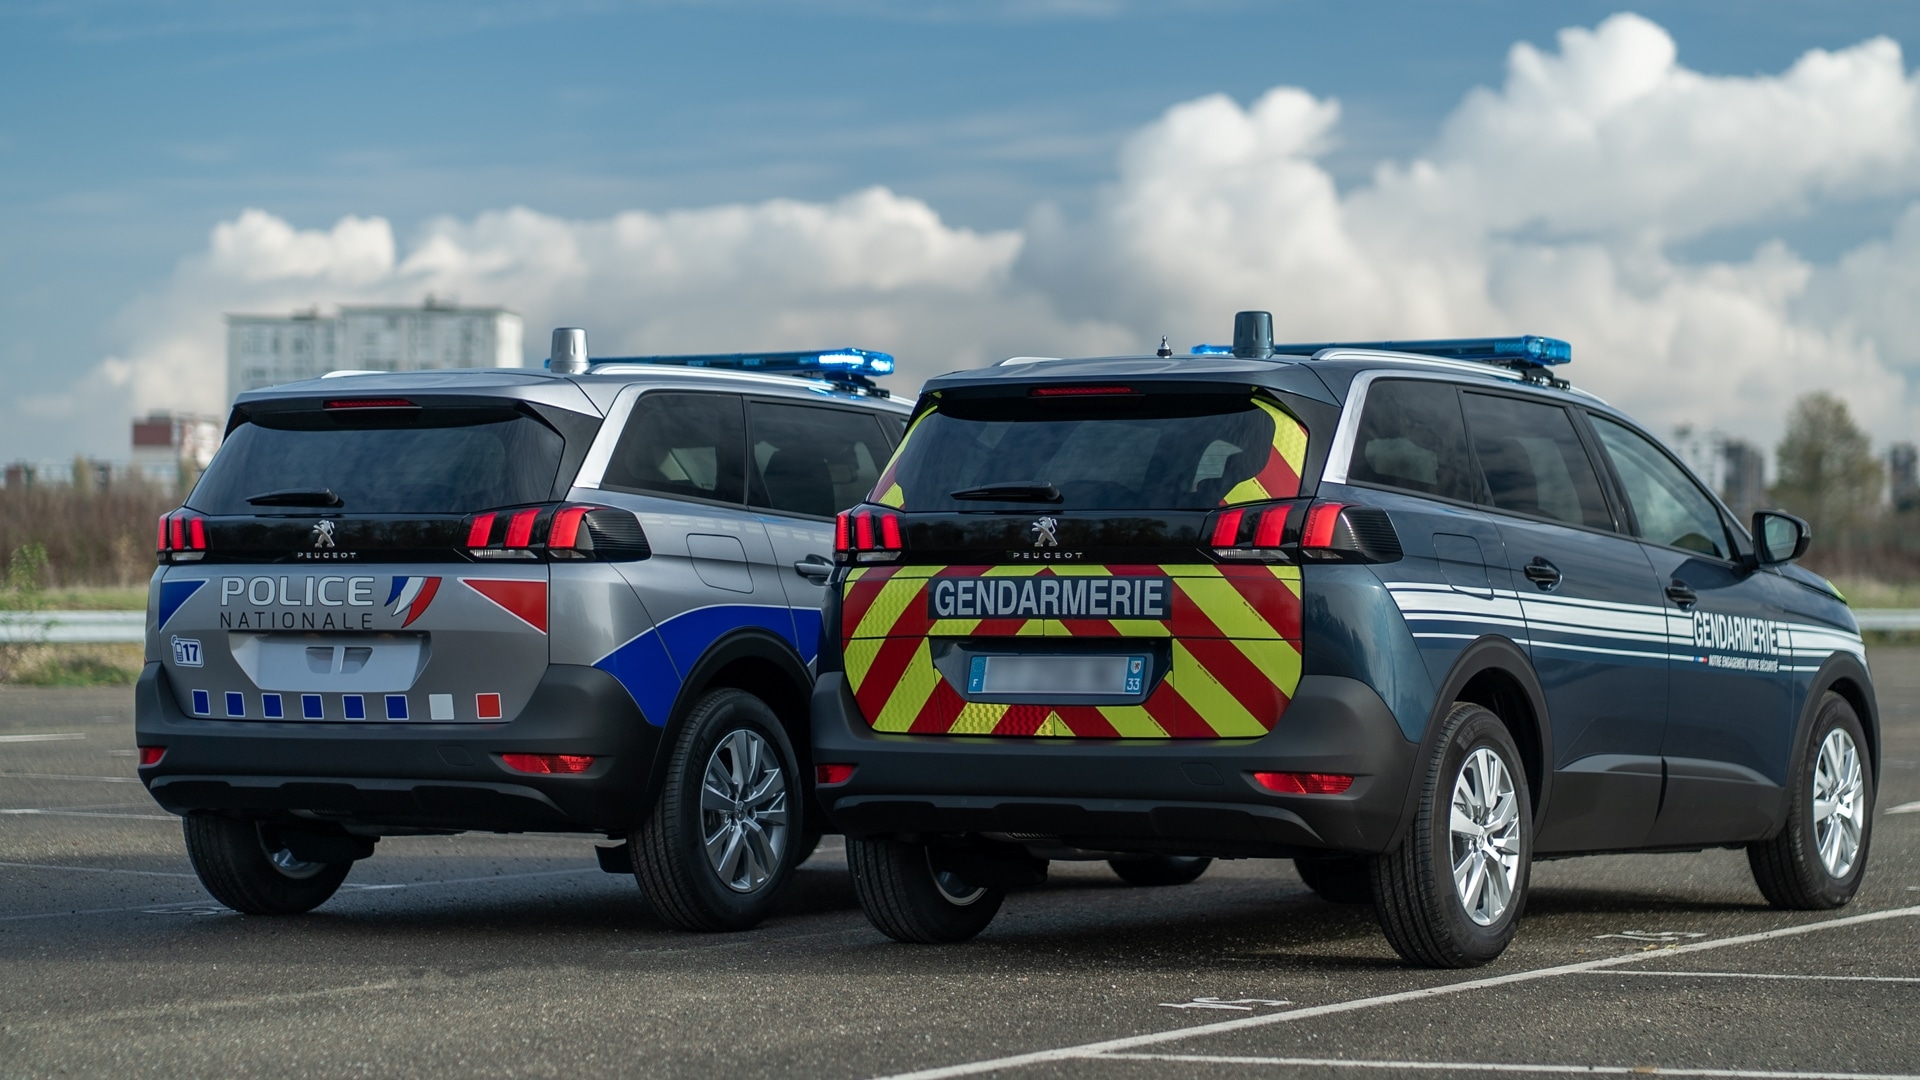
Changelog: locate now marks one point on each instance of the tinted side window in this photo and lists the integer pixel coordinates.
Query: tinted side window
(1533, 462)
(691, 445)
(1411, 437)
(1670, 508)
(815, 461)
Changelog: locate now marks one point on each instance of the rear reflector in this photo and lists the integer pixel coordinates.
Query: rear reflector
(151, 755)
(1304, 783)
(828, 775)
(548, 763)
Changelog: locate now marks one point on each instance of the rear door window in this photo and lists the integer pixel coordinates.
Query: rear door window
(1170, 451)
(1412, 437)
(689, 445)
(385, 461)
(811, 460)
(1533, 462)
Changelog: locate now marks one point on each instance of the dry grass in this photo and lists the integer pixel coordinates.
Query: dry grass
(99, 538)
(71, 665)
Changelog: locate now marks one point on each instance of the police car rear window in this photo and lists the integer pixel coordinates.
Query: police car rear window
(384, 461)
(1138, 452)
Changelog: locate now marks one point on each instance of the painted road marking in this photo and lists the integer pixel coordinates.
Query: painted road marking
(1771, 975)
(1906, 808)
(62, 736)
(1499, 1067)
(90, 813)
(91, 869)
(1662, 937)
(1218, 1027)
(65, 776)
(1236, 1005)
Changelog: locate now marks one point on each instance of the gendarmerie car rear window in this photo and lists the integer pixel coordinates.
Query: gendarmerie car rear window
(385, 461)
(1133, 452)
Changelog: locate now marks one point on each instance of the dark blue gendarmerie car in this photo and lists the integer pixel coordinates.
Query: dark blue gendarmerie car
(1412, 614)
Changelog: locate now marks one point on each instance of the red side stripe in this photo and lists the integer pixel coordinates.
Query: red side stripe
(524, 600)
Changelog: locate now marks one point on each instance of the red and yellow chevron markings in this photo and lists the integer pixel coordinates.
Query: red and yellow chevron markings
(1279, 478)
(1235, 643)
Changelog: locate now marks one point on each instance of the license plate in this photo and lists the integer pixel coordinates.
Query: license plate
(1058, 676)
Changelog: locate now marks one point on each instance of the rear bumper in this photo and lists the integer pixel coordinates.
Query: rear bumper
(432, 776)
(1175, 796)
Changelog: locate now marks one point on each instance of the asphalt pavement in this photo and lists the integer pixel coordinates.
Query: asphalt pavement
(516, 956)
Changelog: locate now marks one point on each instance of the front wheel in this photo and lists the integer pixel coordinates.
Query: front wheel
(1819, 857)
(1450, 895)
(718, 846)
(246, 867)
(909, 900)
(1160, 869)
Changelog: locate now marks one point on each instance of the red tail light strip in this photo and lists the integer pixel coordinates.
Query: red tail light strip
(1304, 783)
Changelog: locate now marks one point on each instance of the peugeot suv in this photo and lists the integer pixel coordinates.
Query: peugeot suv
(1411, 614)
(584, 599)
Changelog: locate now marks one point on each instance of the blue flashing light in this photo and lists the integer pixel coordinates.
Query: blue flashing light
(1524, 349)
(839, 365)
(1211, 350)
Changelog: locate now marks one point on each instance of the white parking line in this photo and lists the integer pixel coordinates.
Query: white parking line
(51, 736)
(89, 813)
(91, 869)
(66, 776)
(1501, 1067)
(1906, 808)
(1218, 1027)
(1770, 975)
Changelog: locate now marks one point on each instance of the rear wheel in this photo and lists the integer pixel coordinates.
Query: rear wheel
(908, 900)
(248, 869)
(1338, 879)
(1819, 857)
(1450, 895)
(1160, 869)
(718, 846)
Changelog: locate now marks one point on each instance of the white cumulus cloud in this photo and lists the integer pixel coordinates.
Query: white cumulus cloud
(1550, 204)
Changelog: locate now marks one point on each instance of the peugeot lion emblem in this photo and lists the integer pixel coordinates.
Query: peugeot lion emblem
(1046, 532)
(323, 534)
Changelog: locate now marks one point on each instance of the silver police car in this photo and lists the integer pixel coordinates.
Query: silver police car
(584, 599)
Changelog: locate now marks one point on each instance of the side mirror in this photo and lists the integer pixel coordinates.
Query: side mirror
(1779, 537)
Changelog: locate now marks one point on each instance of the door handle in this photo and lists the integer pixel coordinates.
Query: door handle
(1682, 594)
(815, 568)
(1542, 573)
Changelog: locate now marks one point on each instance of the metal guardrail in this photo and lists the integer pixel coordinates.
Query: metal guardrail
(64, 627)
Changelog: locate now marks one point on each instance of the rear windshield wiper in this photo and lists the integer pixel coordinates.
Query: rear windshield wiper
(297, 497)
(1011, 491)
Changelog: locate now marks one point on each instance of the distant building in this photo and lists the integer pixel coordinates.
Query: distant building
(265, 350)
(171, 447)
(1903, 476)
(1735, 469)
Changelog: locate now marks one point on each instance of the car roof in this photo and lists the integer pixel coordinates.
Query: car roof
(591, 392)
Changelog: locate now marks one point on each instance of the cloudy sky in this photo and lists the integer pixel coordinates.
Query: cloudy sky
(1717, 203)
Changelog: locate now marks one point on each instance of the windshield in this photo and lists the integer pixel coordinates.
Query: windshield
(412, 461)
(1144, 452)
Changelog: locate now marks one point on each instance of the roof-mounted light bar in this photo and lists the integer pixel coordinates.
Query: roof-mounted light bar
(850, 366)
(1529, 349)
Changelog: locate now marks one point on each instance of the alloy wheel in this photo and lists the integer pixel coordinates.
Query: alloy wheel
(743, 811)
(1485, 825)
(1837, 804)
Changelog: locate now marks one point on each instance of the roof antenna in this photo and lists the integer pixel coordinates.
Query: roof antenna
(1163, 350)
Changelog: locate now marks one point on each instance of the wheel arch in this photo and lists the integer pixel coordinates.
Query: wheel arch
(1843, 674)
(1494, 672)
(760, 663)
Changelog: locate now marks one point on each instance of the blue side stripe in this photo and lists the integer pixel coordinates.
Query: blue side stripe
(172, 595)
(649, 666)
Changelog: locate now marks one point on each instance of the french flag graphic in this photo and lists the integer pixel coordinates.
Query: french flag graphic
(411, 595)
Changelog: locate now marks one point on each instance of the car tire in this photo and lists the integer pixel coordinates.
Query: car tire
(908, 901)
(1816, 862)
(1160, 869)
(1429, 915)
(717, 848)
(246, 868)
(1338, 879)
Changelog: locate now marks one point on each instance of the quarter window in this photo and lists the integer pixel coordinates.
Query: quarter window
(1532, 460)
(1411, 437)
(1668, 506)
(690, 445)
(813, 461)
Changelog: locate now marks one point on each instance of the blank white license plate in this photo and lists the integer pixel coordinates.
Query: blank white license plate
(1064, 676)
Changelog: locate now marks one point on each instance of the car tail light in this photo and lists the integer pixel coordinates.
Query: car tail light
(829, 775)
(1302, 531)
(1304, 783)
(867, 536)
(1081, 391)
(564, 764)
(371, 403)
(182, 537)
(562, 531)
(151, 755)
